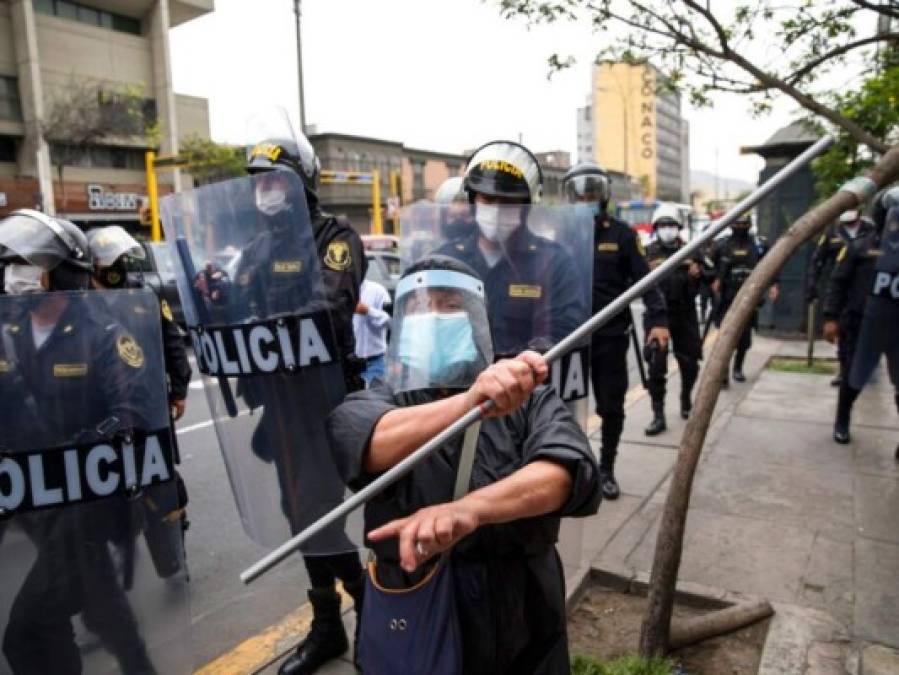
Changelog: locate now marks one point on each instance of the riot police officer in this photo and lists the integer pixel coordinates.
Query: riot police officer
(53, 353)
(680, 290)
(110, 246)
(457, 220)
(343, 266)
(861, 309)
(734, 257)
(619, 261)
(531, 284)
(849, 227)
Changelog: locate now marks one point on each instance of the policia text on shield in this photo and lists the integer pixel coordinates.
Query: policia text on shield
(473, 415)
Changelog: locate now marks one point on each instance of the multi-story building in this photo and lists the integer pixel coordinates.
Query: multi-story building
(48, 48)
(635, 128)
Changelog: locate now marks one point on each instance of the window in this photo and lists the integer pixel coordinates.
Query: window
(91, 16)
(7, 149)
(98, 157)
(418, 179)
(10, 106)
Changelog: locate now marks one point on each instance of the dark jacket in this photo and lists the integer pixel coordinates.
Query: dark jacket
(619, 262)
(534, 296)
(679, 288)
(734, 258)
(825, 254)
(177, 365)
(508, 578)
(852, 278)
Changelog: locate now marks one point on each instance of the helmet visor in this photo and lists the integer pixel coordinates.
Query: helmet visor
(441, 335)
(30, 238)
(108, 244)
(587, 188)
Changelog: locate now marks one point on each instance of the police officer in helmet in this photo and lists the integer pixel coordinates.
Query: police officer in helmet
(457, 220)
(619, 261)
(680, 290)
(861, 309)
(343, 266)
(734, 257)
(531, 283)
(73, 572)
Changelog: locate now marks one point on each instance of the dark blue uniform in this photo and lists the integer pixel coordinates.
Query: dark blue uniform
(534, 297)
(619, 261)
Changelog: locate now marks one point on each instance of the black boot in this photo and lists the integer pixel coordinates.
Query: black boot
(738, 367)
(327, 638)
(657, 425)
(685, 405)
(845, 399)
(356, 589)
(608, 484)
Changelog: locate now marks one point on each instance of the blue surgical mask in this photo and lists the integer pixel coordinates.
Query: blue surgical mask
(433, 343)
(587, 210)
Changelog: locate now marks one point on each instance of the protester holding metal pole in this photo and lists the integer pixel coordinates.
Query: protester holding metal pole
(531, 465)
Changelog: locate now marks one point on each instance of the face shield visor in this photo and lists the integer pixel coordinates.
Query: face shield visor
(38, 240)
(587, 188)
(441, 335)
(271, 193)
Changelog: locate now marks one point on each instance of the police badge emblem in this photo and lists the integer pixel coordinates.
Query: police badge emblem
(338, 256)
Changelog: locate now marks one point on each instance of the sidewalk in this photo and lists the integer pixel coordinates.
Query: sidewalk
(778, 510)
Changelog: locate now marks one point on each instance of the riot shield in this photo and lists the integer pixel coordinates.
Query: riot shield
(879, 335)
(538, 278)
(94, 577)
(257, 315)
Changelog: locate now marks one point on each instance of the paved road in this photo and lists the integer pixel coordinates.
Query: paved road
(226, 612)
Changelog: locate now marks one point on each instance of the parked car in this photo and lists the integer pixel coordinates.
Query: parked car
(157, 271)
(384, 266)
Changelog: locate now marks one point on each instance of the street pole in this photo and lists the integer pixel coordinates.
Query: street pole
(297, 11)
(574, 339)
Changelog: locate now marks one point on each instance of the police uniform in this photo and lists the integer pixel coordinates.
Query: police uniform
(177, 365)
(533, 293)
(851, 285)
(734, 258)
(62, 396)
(824, 256)
(618, 262)
(680, 291)
(504, 575)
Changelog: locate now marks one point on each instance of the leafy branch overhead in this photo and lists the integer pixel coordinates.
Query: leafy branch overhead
(761, 49)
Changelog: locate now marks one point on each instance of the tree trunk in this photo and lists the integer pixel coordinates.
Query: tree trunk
(698, 628)
(654, 637)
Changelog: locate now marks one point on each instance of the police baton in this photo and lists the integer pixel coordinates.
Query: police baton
(577, 337)
(638, 352)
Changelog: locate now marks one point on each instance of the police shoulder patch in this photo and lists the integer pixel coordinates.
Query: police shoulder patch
(166, 310)
(129, 351)
(4, 366)
(640, 248)
(842, 253)
(338, 257)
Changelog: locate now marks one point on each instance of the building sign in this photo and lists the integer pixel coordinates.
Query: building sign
(647, 114)
(99, 199)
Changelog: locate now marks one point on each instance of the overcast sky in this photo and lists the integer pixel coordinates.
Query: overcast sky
(435, 74)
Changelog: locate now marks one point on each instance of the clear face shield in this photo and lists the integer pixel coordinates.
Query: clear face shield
(441, 335)
(108, 244)
(588, 192)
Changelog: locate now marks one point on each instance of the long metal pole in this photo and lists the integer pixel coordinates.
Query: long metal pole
(297, 11)
(574, 339)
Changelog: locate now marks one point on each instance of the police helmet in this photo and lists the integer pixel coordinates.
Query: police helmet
(666, 215)
(587, 181)
(109, 247)
(55, 245)
(849, 217)
(451, 190)
(504, 169)
(287, 154)
(884, 201)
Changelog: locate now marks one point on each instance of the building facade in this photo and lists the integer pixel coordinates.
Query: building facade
(50, 48)
(635, 128)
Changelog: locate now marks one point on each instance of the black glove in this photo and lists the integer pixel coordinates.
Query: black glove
(352, 373)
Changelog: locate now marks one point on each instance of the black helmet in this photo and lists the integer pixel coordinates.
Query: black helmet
(55, 245)
(587, 181)
(504, 169)
(287, 154)
(884, 201)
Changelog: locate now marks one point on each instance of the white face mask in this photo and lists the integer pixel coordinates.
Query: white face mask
(667, 234)
(497, 222)
(851, 229)
(21, 279)
(271, 202)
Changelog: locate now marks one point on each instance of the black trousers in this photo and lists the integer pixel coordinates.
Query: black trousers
(745, 341)
(687, 344)
(850, 328)
(608, 372)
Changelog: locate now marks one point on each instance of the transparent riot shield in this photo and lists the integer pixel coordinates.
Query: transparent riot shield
(94, 577)
(256, 311)
(537, 269)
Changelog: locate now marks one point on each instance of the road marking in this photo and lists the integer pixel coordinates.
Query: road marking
(269, 645)
(209, 423)
(196, 384)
